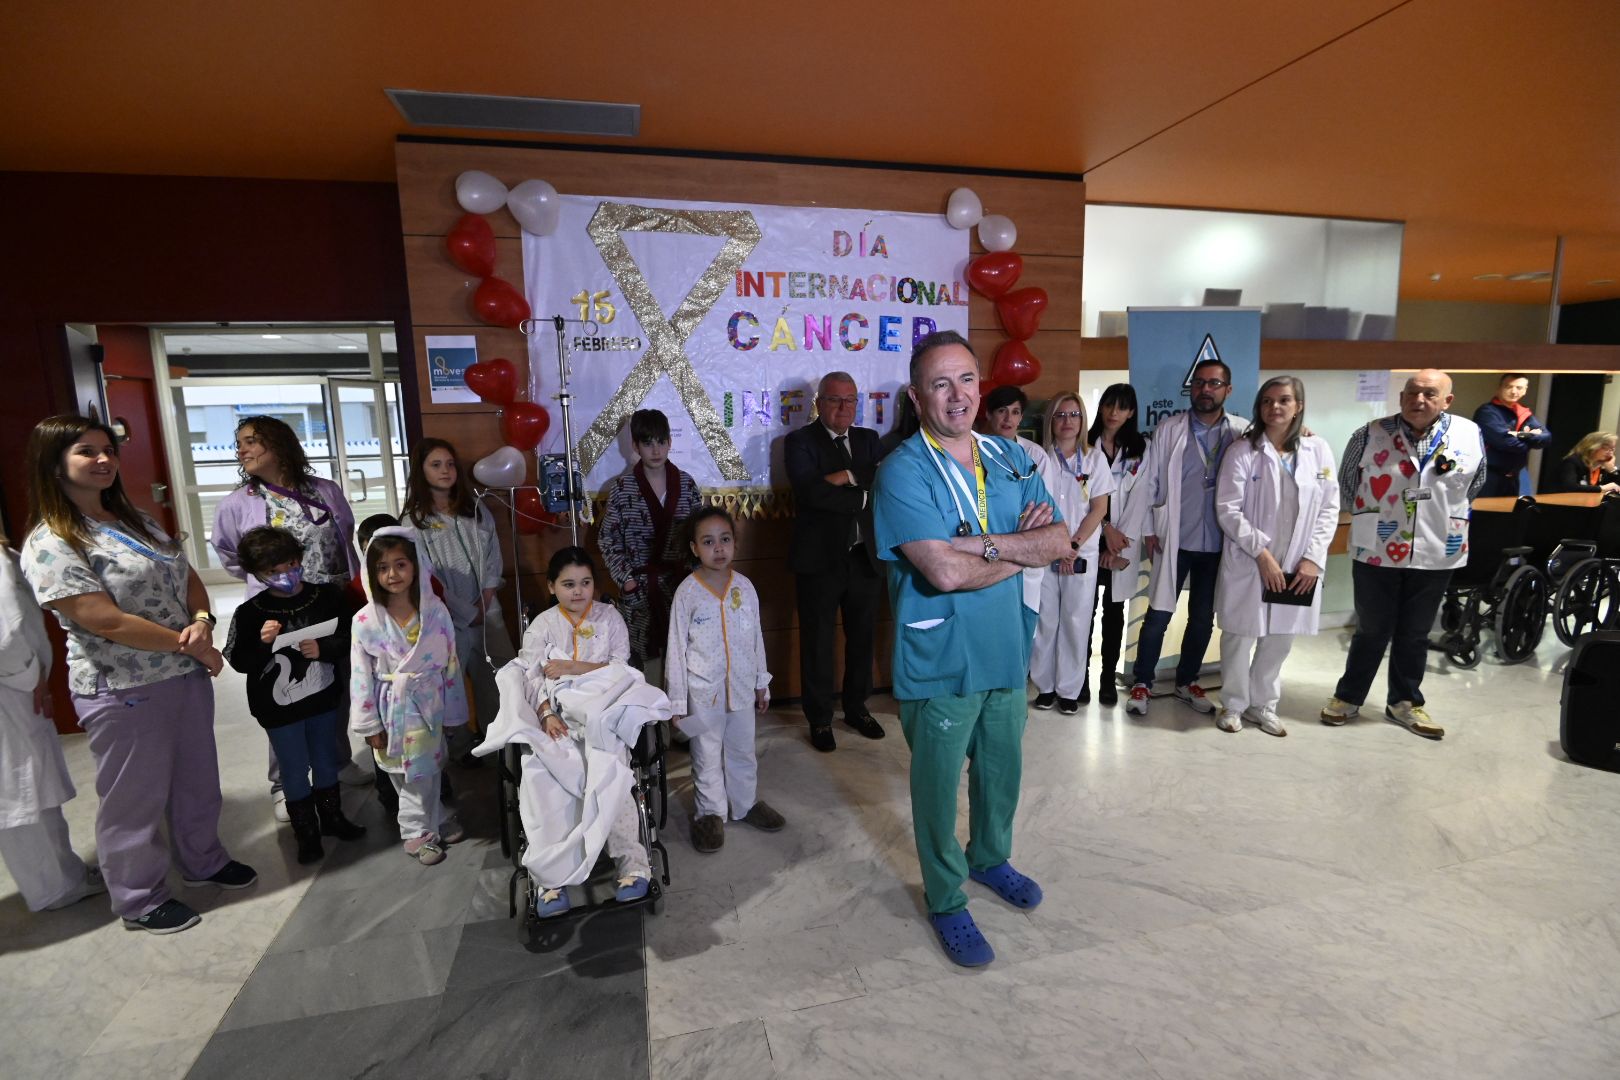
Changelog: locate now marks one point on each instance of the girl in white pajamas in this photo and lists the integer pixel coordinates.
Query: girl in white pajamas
(576, 637)
(716, 681)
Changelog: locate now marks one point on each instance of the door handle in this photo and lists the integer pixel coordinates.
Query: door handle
(365, 495)
(160, 494)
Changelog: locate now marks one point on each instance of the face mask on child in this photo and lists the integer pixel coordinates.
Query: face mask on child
(287, 581)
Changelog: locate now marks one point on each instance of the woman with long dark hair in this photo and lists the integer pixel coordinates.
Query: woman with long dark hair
(460, 537)
(280, 488)
(140, 656)
(1115, 434)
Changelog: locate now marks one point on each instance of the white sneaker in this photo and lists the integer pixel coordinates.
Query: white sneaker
(1336, 712)
(94, 885)
(1268, 722)
(1229, 721)
(1138, 702)
(1193, 695)
(278, 806)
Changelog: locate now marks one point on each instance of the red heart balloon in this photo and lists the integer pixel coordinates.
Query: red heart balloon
(499, 304)
(993, 274)
(525, 424)
(531, 512)
(1020, 312)
(1015, 365)
(471, 245)
(492, 380)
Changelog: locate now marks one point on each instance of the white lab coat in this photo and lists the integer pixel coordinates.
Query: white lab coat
(1154, 508)
(1033, 575)
(1126, 472)
(33, 773)
(1247, 497)
(572, 789)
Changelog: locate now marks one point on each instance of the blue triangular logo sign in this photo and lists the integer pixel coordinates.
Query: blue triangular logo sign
(1207, 352)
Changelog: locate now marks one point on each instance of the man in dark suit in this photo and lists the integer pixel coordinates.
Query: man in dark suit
(831, 466)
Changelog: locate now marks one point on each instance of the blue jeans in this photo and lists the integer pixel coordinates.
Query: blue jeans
(1202, 567)
(306, 747)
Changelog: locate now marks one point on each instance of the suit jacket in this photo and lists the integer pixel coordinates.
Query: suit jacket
(821, 525)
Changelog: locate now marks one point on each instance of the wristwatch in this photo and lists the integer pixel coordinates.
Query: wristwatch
(990, 552)
(207, 617)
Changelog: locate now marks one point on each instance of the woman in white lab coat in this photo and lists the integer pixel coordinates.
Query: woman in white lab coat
(34, 780)
(1078, 477)
(1277, 502)
(1115, 435)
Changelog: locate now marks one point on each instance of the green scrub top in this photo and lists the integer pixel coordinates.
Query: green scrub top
(960, 642)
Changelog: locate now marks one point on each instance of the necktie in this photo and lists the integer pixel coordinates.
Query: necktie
(849, 460)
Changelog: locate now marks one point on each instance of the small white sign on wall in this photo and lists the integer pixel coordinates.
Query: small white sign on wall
(1372, 386)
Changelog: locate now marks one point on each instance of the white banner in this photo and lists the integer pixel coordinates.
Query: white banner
(725, 317)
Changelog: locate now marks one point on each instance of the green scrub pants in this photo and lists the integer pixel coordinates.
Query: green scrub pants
(987, 730)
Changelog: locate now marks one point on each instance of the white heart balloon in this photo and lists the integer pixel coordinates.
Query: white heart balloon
(505, 468)
(479, 192)
(534, 204)
(997, 232)
(964, 209)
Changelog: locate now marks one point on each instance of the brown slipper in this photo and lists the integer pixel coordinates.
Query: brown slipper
(708, 833)
(764, 818)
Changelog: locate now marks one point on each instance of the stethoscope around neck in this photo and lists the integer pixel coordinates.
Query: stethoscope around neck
(988, 451)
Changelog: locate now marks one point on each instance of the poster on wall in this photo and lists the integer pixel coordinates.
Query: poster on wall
(725, 317)
(1165, 345)
(448, 358)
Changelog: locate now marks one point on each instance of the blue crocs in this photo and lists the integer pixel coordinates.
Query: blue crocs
(960, 938)
(1009, 884)
(630, 889)
(551, 903)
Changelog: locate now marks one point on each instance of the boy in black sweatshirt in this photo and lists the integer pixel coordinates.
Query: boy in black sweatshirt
(294, 692)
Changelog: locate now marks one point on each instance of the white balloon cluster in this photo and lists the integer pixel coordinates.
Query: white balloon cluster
(533, 202)
(964, 210)
(505, 468)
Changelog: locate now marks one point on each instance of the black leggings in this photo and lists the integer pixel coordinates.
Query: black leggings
(1113, 624)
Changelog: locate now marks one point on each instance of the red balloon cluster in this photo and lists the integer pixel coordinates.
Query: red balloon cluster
(993, 275)
(471, 247)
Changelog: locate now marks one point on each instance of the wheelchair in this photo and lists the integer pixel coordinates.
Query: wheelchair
(649, 792)
(1587, 573)
(1501, 587)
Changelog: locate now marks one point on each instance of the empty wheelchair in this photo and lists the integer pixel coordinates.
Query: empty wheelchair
(1588, 577)
(1500, 588)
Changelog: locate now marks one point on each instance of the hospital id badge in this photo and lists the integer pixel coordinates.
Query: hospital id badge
(1417, 494)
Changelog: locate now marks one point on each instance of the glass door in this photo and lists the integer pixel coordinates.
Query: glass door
(366, 446)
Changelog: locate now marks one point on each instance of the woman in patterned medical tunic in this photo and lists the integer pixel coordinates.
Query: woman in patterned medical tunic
(140, 657)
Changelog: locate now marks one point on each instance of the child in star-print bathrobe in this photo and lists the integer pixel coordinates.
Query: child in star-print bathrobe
(406, 687)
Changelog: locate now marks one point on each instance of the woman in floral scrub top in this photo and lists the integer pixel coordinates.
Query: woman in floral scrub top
(140, 655)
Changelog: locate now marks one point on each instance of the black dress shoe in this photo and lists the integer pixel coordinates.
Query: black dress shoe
(1085, 694)
(1068, 706)
(1107, 693)
(865, 724)
(1045, 701)
(822, 739)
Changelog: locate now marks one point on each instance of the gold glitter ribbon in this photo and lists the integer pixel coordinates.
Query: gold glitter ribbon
(667, 336)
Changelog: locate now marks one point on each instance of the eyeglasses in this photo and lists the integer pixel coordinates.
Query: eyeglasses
(839, 400)
(1208, 384)
(1068, 414)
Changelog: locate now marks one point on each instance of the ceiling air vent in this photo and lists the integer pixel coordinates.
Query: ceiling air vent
(550, 115)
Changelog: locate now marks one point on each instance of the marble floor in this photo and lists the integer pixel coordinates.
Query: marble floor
(1351, 902)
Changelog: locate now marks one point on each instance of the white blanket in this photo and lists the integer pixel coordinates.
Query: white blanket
(572, 787)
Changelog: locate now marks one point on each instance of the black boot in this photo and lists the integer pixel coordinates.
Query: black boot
(329, 803)
(306, 826)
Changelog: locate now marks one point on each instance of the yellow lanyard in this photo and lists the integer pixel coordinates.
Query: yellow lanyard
(978, 477)
(576, 625)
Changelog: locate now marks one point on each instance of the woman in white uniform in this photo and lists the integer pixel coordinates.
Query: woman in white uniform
(1078, 477)
(34, 780)
(1004, 409)
(1116, 435)
(1277, 502)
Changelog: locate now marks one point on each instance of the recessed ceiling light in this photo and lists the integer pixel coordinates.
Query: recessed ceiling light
(1602, 281)
(1532, 275)
(271, 337)
(1487, 277)
(348, 346)
(1434, 277)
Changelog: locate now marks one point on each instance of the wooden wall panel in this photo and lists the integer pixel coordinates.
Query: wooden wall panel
(1049, 213)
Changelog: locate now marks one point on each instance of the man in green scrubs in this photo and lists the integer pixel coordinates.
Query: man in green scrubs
(957, 517)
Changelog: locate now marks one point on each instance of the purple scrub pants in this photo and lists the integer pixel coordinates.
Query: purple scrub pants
(155, 758)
